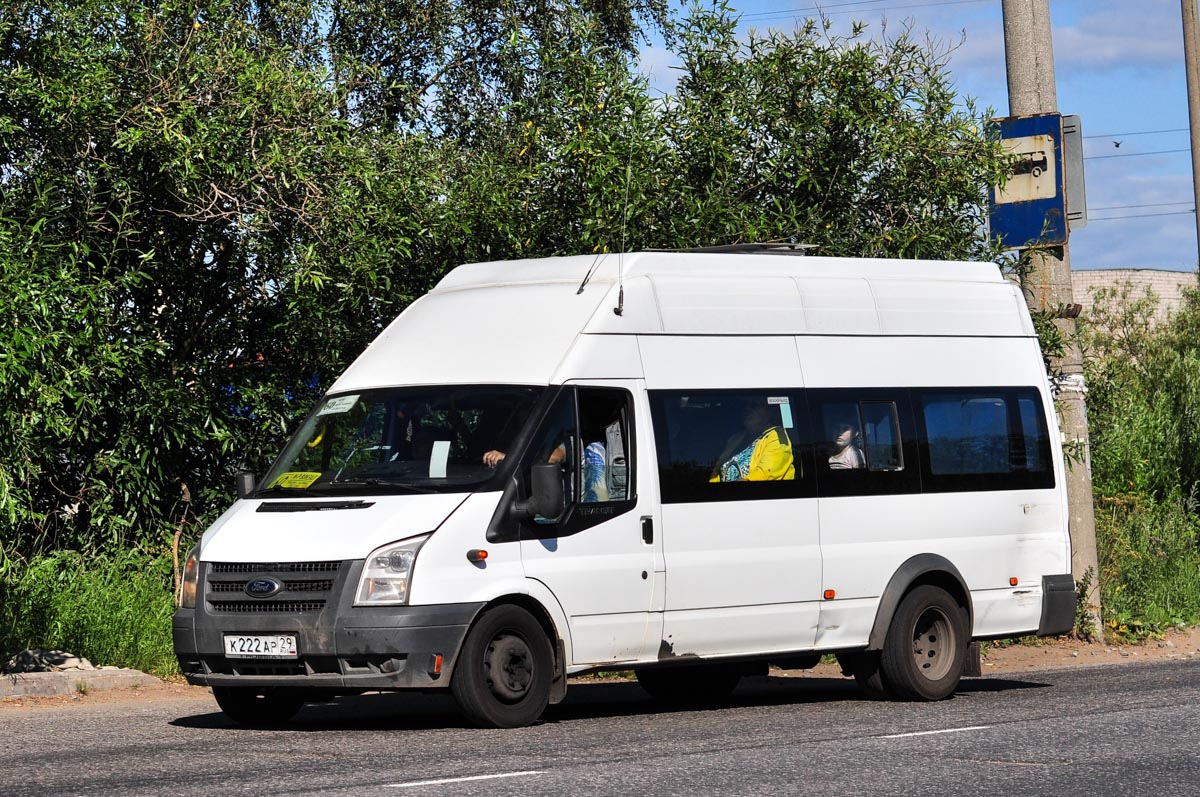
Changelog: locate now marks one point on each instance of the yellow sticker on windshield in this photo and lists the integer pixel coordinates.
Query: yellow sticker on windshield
(297, 478)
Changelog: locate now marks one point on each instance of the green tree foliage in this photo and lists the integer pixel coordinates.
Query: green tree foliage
(207, 210)
(1144, 396)
(860, 146)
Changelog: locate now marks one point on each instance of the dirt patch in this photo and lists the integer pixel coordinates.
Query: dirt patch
(152, 690)
(1175, 645)
(998, 658)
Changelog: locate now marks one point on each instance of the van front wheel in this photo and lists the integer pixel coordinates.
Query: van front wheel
(503, 674)
(925, 648)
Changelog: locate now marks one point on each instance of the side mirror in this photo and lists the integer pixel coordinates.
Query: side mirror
(244, 481)
(547, 499)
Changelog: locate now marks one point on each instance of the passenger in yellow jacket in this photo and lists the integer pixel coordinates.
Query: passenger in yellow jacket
(757, 452)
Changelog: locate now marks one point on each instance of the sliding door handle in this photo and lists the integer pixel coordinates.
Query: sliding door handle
(647, 529)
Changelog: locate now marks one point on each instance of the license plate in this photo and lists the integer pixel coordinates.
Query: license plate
(251, 646)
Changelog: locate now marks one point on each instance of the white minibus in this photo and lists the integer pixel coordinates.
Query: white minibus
(690, 465)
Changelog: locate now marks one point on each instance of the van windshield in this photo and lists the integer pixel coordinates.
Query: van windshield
(426, 439)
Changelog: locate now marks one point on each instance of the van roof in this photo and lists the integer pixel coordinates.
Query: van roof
(608, 267)
(514, 322)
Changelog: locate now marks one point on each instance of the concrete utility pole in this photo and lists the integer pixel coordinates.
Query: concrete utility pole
(1029, 57)
(1191, 59)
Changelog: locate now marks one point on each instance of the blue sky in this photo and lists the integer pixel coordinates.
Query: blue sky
(1119, 66)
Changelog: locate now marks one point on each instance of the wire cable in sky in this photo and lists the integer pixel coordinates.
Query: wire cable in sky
(1135, 154)
(821, 7)
(1092, 218)
(824, 10)
(1140, 133)
(1147, 205)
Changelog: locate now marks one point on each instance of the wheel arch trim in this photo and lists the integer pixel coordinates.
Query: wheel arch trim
(925, 568)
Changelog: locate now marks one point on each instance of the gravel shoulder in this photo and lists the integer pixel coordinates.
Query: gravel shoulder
(1178, 645)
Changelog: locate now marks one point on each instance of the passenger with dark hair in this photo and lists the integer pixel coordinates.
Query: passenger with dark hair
(847, 455)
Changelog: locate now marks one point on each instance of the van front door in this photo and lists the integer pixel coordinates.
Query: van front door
(599, 559)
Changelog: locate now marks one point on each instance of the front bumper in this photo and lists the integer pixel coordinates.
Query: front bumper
(341, 647)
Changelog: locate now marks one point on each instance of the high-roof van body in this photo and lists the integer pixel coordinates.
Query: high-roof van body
(685, 464)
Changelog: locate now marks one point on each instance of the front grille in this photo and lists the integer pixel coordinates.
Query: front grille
(308, 586)
(226, 582)
(288, 586)
(276, 567)
(260, 607)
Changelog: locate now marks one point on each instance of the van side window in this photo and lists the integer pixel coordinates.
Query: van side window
(985, 439)
(865, 441)
(730, 445)
(862, 435)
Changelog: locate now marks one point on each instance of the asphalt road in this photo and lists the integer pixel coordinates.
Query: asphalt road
(1131, 729)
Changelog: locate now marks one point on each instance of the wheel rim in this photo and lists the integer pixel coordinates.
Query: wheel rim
(933, 644)
(508, 667)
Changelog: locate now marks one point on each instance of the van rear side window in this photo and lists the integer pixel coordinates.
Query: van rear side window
(984, 439)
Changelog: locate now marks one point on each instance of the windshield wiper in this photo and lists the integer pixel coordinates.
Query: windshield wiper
(416, 488)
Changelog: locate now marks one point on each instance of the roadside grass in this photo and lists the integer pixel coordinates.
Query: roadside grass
(114, 609)
(1150, 565)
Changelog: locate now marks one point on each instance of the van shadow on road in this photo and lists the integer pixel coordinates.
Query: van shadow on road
(585, 701)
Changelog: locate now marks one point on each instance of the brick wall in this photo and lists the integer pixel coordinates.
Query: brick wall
(1167, 285)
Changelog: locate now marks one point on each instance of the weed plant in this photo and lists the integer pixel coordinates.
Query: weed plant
(113, 608)
(1150, 565)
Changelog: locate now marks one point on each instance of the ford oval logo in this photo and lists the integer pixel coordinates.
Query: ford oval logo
(263, 587)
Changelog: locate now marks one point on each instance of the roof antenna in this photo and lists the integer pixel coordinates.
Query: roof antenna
(591, 270)
(620, 308)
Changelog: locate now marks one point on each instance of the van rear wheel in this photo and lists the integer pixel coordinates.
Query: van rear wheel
(258, 708)
(925, 647)
(503, 674)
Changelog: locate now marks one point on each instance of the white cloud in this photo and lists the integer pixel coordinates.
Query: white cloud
(1118, 34)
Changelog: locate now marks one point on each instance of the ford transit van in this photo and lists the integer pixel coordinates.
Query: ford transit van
(688, 465)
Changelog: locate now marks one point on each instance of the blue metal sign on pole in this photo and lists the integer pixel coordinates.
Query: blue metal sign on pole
(1031, 207)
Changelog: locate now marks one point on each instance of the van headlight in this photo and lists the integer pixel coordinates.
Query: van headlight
(387, 572)
(191, 576)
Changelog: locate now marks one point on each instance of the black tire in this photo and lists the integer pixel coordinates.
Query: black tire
(503, 674)
(258, 708)
(696, 685)
(867, 671)
(925, 647)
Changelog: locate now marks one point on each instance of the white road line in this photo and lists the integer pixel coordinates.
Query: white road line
(462, 780)
(932, 733)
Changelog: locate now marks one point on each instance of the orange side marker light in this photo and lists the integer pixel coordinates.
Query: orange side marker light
(830, 594)
(476, 555)
(1012, 582)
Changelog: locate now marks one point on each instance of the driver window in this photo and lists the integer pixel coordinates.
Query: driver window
(604, 426)
(594, 452)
